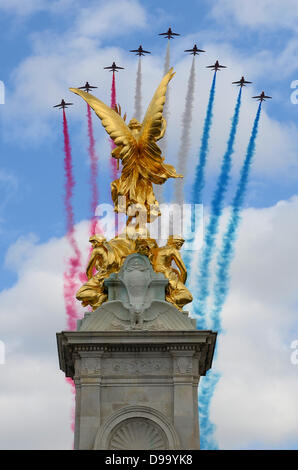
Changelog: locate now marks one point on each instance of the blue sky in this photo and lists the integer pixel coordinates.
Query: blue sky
(48, 46)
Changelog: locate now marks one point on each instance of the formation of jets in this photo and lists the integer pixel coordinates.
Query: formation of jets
(62, 105)
(194, 50)
(87, 87)
(169, 34)
(242, 82)
(216, 66)
(141, 52)
(114, 67)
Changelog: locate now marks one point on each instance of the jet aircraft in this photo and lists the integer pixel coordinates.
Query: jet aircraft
(216, 66)
(114, 67)
(241, 82)
(62, 105)
(262, 97)
(169, 34)
(87, 87)
(140, 51)
(194, 50)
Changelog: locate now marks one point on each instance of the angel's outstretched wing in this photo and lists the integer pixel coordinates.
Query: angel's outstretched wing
(153, 120)
(113, 124)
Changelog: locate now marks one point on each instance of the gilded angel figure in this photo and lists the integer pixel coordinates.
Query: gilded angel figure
(142, 161)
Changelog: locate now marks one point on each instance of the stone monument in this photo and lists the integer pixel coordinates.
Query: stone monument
(136, 359)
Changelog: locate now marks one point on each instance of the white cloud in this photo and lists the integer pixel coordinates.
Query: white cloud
(271, 14)
(255, 400)
(35, 400)
(35, 403)
(102, 19)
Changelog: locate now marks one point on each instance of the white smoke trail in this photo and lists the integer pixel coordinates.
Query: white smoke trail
(167, 59)
(163, 144)
(185, 136)
(165, 70)
(138, 93)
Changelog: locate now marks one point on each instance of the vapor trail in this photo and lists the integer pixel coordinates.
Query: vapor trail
(113, 91)
(191, 259)
(74, 263)
(138, 93)
(207, 428)
(227, 250)
(166, 106)
(200, 169)
(113, 103)
(158, 189)
(185, 136)
(221, 288)
(93, 172)
(203, 280)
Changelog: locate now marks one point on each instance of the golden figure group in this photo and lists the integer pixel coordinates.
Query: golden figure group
(142, 165)
(107, 258)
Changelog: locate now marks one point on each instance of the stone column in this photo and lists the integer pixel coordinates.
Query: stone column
(185, 409)
(87, 380)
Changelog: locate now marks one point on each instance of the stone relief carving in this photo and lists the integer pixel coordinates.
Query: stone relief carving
(135, 366)
(135, 287)
(136, 434)
(90, 365)
(183, 365)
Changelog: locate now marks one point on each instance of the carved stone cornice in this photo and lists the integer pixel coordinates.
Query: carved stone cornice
(75, 344)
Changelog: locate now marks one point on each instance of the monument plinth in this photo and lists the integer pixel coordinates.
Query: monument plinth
(136, 359)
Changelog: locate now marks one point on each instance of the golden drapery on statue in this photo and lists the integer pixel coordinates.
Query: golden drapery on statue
(142, 165)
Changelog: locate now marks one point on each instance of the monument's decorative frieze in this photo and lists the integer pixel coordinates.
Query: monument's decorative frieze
(136, 366)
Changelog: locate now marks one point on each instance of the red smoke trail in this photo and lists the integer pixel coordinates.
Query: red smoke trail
(74, 263)
(94, 227)
(113, 103)
(94, 171)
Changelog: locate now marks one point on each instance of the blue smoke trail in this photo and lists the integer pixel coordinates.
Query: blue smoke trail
(221, 288)
(226, 254)
(200, 169)
(198, 186)
(203, 281)
(207, 428)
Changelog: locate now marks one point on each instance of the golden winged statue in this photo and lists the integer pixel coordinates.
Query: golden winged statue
(142, 161)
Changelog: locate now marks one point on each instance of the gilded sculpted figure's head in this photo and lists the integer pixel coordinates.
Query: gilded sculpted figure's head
(134, 124)
(176, 241)
(97, 240)
(145, 246)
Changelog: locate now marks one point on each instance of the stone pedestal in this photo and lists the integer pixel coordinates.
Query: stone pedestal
(136, 367)
(136, 383)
